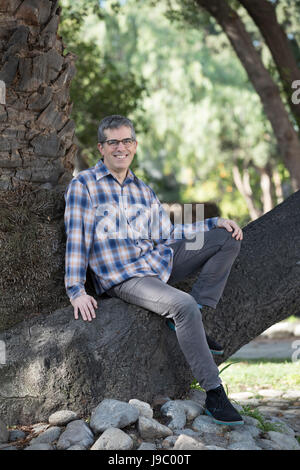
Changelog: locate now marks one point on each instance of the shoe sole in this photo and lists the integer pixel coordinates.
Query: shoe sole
(213, 351)
(227, 423)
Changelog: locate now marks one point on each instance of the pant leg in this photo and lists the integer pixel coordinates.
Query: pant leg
(216, 258)
(155, 295)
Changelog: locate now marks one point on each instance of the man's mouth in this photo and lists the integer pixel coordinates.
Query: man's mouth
(121, 157)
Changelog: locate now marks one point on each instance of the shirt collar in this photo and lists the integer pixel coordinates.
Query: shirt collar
(102, 170)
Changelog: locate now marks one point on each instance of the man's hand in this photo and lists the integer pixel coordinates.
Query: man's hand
(231, 225)
(86, 304)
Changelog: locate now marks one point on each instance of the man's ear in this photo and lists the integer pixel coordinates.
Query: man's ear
(100, 148)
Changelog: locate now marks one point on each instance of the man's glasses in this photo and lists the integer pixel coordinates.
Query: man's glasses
(114, 143)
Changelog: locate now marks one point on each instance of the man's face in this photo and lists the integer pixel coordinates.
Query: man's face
(118, 158)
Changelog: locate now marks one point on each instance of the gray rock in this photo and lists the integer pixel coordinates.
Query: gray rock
(113, 414)
(283, 441)
(175, 411)
(187, 432)
(62, 417)
(76, 447)
(250, 420)
(88, 357)
(152, 429)
(188, 443)
(147, 446)
(192, 409)
(47, 437)
(168, 442)
(205, 424)
(284, 427)
(76, 433)
(253, 430)
(143, 407)
(113, 439)
(239, 436)
(215, 448)
(243, 445)
(39, 447)
(267, 444)
(4, 433)
(16, 434)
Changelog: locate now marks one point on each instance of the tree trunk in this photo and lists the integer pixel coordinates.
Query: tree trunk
(287, 137)
(36, 157)
(244, 187)
(263, 287)
(263, 14)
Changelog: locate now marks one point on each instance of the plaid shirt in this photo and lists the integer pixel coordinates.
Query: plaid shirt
(108, 225)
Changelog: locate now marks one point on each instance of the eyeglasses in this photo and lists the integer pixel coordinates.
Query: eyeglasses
(115, 143)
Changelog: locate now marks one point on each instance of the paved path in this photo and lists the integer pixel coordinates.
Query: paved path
(269, 349)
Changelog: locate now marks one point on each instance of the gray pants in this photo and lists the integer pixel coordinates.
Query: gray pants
(215, 260)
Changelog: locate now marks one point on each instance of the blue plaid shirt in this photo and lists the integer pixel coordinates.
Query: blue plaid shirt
(108, 226)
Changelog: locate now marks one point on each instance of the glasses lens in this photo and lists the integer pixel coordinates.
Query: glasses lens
(115, 143)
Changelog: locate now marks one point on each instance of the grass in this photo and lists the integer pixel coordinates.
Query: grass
(252, 375)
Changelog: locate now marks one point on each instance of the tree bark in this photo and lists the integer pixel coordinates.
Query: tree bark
(244, 187)
(263, 14)
(36, 157)
(263, 287)
(268, 91)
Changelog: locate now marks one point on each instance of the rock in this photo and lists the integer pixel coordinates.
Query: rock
(188, 443)
(214, 448)
(205, 424)
(284, 427)
(269, 393)
(152, 429)
(241, 395)
(143, 407)
(76, 447)
(4, 433)
(62, 417)
(192, 409)
(243, 445)
(174, 410)
(48, 436)
(168, 442)
(76, 433)
(113, 414)
(147, 446)
(292, 394)
(68, 363)
(250, 420)
(285, 442)
(16, 434)
(113, 439)
(39, 447)
(197, 396)
(187, 432)
(254, 431)
(239, 436)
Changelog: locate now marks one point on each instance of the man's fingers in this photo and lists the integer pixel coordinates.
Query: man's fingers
(76, 313)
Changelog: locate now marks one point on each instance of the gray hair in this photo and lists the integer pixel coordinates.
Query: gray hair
(114, 122)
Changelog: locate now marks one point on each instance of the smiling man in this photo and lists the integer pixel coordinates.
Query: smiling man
(103, 200)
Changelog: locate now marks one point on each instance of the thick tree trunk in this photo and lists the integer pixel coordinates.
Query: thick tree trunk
(36, 157)
(264, 284)
(263, 14)
(287, 137)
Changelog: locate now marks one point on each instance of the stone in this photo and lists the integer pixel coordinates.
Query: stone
(250, 420)
(147, 446)
(62, 417)
(174, 410)
(197, 396)
(285, 442)
(254, 431)
(76, 447)
(168, 442)
(267, 444)
(269, 393)
(4, 433)
(143, 407)
(239, 436)
(113, 439)
(40, 446)
(205, 424)
(243, 445)
(16, 434)
(76, 433)
(151, 429)
(192, 409)
(284, 427)
(48, 436)
(113, 413)
(292, 395)
(188, 443)
(214, 448)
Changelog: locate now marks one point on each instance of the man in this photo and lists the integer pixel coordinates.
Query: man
(107, 209)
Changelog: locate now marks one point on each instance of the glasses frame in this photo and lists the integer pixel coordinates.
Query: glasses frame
(119, 142)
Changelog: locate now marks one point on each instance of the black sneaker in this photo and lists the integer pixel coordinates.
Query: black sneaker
(219, 407)
(214, 347)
